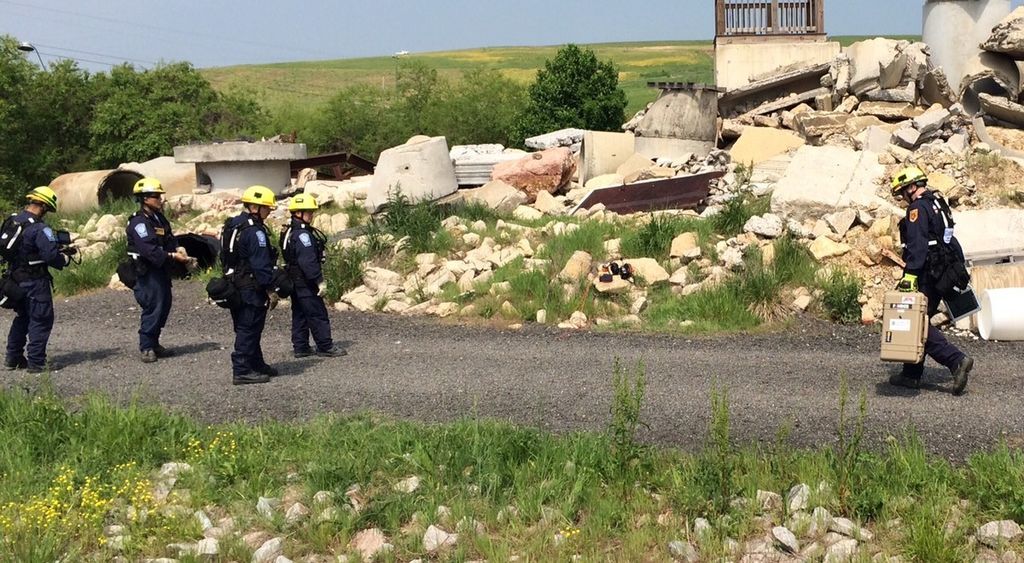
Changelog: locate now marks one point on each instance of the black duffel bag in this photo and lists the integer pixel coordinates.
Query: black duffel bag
(284, 286)
(224, 293)
(11, 293)
(946, 270)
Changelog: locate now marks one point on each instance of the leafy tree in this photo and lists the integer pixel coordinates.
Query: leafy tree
(483, 108)
(143, 115)
(574, 90)
(16, 75)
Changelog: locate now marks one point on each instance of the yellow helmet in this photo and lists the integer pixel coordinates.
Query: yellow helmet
(905, 177)
(303, 202)
(44, 195)
(148, 186)
(259, 195)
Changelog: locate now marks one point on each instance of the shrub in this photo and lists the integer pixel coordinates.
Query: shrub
(654, 239)
(841, 292)
(735, 213)
(343, 270)
(420, 221)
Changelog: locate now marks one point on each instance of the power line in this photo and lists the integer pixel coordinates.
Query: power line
(55, 56)
(94, 54)
(209, 37)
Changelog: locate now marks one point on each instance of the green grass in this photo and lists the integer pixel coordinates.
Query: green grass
(840, 299)
(69, 468)
(654, 239)
(91, 273)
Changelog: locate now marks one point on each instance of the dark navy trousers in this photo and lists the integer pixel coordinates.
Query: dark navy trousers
(32, 323)
(937, 347)
(309, 317)
(248, 321)
(153, 293)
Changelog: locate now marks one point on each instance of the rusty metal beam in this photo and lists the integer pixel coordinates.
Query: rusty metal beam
(681, 192)
(334, 159)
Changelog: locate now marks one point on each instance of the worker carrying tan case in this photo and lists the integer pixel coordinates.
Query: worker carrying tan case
(904, 327)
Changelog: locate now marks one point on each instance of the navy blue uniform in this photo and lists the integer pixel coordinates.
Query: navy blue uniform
(303, 250)
(149, 241)
(33, 322)
(924, 226)
(254, 274)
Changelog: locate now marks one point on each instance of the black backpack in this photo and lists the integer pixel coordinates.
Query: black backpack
(10, 239)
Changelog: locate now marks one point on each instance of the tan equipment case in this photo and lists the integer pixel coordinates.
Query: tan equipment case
(904, 327)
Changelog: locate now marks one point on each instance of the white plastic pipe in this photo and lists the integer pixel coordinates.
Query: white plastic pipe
(1002, 314)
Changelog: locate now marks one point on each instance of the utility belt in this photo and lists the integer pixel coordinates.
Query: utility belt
(34, 270)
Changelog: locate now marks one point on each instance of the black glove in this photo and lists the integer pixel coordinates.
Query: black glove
(70, 250)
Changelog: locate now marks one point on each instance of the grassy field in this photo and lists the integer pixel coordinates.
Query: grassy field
(314, 82)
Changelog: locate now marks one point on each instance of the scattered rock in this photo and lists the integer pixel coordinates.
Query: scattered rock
(268, 552)
(368, 543)
(767, 225)
(683, 551)
(995, 534)
(265, 506)
(785, 538)
(686, 246)
(577, 267)
(435, 538)
(798, 498)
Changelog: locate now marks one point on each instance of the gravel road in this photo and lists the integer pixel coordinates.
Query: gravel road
(432, 370)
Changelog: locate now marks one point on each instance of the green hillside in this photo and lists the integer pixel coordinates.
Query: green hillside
(312, 82)
(315, 81)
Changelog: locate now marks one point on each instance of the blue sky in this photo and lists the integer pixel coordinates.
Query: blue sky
(226, 32)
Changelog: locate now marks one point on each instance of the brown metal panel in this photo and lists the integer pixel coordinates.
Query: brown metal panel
(682, 192)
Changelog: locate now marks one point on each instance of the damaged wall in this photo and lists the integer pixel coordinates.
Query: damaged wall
(739, 64)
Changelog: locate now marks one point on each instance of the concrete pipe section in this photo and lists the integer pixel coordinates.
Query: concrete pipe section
(1002, 314)
(78, 191)
(954, 31)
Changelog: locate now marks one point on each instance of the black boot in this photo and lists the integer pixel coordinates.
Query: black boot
(332, 352)
(248, 378)
(267, 370)
(903, 380)
(960, 375)
(11, 364)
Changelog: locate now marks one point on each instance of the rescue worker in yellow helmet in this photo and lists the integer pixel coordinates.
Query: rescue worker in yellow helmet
(34, 249)
(152, 248)
(249, 259)
(926, 233)
(303, 247)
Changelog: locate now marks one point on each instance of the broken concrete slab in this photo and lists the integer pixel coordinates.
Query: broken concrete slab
(570, 137)
(604, 181)
(649, 173)
(874, 139)
(422, 171)
(989, 73)
(932, 120)
(891, 75)
(856, 124)
(772, 88)
(935, 89)
(974, 230)
(905, 93)
(867, 61)
(822, 180)
(1008, 35)
(689, 113)
(891, 111)
(788, 102)
(818, 124)
(548, 170)
(1002, 109)
(634, 163)
(603, 152)
(758, 144)
(474, 163)
(906, 137)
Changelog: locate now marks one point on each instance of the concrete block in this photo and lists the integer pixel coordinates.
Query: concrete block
(906, 137)
(422, 171)
(816, 125)
(603, 152)
(561, 138)
(656, 147)
(891, 111)
(867, 59)
(758, 144)
(906, 93)
(821, 180)
(874, 139)
(932, 120)
(1002, 109)
(690, 114)
(989, 231)
(633, 164)
(240, 151)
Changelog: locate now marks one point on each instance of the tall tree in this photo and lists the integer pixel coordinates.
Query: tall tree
(574, 89)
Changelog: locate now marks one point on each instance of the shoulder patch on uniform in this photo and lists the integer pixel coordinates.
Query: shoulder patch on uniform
(140, 229)
(261, 238)
(49, 234)
(305, 240)
(913, 215)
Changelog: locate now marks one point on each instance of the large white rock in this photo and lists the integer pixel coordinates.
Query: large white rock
(767, 225)
(496, 195)
(649, 270)
(993, 534)
(421, 170)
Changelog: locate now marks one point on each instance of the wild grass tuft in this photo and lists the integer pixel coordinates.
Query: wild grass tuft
(841, 291)
(654, 239)
(736, 212)
(343, 269)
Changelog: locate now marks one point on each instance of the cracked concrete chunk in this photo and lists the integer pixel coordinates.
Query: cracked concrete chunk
(758, 144)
